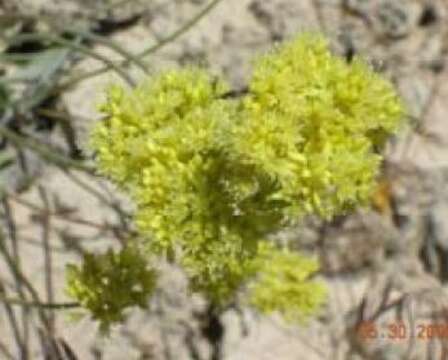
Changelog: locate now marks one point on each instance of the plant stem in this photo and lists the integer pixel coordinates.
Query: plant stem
(40, 305)
(171, 37)
(44, 151)
(78, 47)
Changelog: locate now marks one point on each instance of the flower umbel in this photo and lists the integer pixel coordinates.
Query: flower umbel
(284, 284)
(213, 176)
(109, 283)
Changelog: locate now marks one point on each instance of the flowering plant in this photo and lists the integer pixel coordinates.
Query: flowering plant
(212, 175)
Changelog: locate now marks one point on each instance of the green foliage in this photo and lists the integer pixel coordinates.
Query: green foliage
(213, 176)
(108, 283)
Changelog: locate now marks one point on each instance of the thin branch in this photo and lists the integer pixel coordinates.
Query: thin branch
(170, 38)
(123, 216)
(182, 30)
(61, 215)
(21, 38)
(37, 243)
(87, 188)
(59, 115)
(45, 151)
(48, 259)
(17, 272)
(11, 225)
(130, 58)
(40, 305)
(15, 328)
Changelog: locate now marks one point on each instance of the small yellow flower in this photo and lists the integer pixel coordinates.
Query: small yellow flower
(212, 177)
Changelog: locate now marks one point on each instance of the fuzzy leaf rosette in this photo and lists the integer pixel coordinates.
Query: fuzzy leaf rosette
(212, 176)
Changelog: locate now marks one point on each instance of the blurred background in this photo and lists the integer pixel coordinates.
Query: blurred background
(386, 266)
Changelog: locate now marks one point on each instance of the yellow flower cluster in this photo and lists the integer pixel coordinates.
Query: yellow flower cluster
(108, 283)
(212, 176)
(283, 284)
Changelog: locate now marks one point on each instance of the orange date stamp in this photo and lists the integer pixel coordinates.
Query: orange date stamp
(399, 331)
